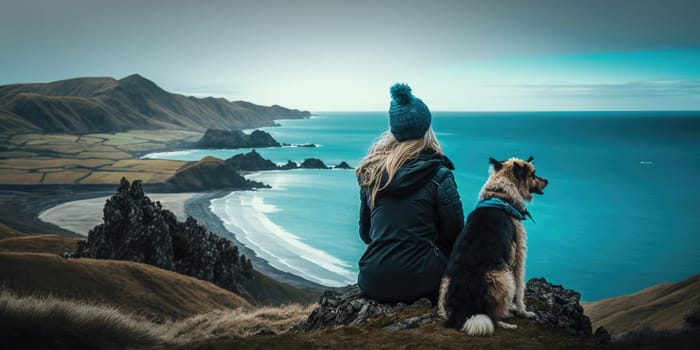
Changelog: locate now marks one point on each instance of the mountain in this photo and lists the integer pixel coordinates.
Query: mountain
(84, 105)
(660, 307)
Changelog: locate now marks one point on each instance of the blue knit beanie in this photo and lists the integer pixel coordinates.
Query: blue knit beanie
(409, 117)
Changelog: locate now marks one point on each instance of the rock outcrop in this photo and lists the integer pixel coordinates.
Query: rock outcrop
(251, 161)
(312, 163)
(289, 166)
(210, 173)
(137, 229)
(557, 306)
(552, 304)
(343, 165)
(347, 307)
(231, 139)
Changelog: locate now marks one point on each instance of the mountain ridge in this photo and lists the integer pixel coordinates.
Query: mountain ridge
(105, 104)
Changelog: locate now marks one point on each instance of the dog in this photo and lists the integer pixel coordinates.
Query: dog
(484, 281)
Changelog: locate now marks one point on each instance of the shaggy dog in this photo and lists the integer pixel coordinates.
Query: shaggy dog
(484, 280)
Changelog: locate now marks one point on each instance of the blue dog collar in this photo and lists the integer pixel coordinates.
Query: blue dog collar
(495, 202)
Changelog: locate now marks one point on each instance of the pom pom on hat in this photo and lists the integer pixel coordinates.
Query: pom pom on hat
(401, 94)
(409, 117)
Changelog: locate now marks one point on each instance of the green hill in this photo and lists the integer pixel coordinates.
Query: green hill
(84, 105)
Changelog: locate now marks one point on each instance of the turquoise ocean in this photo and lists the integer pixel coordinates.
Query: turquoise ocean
(621, 212)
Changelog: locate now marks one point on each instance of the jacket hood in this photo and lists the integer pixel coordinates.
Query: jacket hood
(415, 173)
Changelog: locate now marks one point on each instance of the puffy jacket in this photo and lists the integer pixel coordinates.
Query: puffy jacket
(410, 231)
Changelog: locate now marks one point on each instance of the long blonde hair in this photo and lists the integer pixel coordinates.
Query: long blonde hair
(387, 154)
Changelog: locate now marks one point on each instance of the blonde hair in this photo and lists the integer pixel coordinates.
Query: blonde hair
(388, 155)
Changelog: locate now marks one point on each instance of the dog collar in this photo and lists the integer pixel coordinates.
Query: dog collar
(495, 202)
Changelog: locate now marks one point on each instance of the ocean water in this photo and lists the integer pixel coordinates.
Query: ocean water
(621, 212)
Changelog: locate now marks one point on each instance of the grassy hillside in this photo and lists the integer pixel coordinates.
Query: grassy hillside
(132, 287)
(659, 307)
(7, 232)
(51, 244)
(84, 105)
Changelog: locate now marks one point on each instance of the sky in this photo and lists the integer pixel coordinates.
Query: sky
(333, 55)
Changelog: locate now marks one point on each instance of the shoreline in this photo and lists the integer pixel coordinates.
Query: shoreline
(198, 208)
(80, 216)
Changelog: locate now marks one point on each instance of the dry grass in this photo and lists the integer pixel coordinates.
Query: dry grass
(143, 289)
(241, 322)
(7, 232)
(70, 149)
(48, 322)
(64, 176)
(146, 165)
(660, 307)
(17, 177)
(17, 154)
(105, 155)
(39, 139)
(47, 162)
(146, 146)
(113, 177)
(51, 244)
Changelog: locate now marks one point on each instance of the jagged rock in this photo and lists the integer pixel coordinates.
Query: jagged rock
(557, 306)
(137, 229)
(348, 307)
(289, 166)
(413, 322)
(251, 161)
(265, 332)
(215, 138)
(601, 337)
(313, 163)
(343, 165)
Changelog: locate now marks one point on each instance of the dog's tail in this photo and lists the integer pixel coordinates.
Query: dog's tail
(478, 325)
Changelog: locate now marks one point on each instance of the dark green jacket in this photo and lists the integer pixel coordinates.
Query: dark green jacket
(410, 231)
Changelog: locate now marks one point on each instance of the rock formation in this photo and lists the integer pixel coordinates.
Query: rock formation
(343, 165)
(552, 304)
(210, 173)
(557, 306)
(214, 138)
(251, 161)
(312, 163)
(137, 229)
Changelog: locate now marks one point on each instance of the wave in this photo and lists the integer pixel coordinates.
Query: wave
(244, 214)
(162, 155)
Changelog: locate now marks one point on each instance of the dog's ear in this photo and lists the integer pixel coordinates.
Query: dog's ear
(521, 172)
(529, 160)
(496, 164)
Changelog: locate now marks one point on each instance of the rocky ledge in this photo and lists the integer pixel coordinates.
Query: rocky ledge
(552, 304)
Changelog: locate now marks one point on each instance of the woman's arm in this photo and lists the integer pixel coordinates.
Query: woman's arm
(364, 217)
(450, 215)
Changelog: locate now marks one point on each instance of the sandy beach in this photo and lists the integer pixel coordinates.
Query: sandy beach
(82, 215)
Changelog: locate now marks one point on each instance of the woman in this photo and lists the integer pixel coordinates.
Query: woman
(410, 211)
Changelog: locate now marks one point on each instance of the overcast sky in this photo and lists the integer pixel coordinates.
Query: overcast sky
(325, 55)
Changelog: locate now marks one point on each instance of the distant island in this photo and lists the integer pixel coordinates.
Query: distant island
(232, 139)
